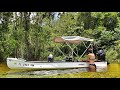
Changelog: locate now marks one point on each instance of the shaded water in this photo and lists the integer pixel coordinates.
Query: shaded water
(5, 72)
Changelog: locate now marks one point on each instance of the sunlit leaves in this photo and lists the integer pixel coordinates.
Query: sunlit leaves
(36, 31)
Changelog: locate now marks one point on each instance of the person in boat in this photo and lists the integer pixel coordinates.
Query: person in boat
(100, 54)
(91, 60)
(50, 58)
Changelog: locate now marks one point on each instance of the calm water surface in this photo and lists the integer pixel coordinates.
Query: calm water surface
(6, 72)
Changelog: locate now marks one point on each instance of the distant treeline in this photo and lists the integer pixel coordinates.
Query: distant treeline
(30, 35)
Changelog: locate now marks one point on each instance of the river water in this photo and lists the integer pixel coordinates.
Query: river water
(6, 72)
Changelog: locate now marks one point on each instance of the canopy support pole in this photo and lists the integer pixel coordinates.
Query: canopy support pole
(84, 44)
(85, 51)
(60, 50)
(71, 48)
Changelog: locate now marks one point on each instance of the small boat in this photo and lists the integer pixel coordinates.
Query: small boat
(16, 63)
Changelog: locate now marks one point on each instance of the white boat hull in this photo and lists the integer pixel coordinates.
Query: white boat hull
(14, 63)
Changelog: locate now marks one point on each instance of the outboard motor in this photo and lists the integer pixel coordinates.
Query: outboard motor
(101, 55)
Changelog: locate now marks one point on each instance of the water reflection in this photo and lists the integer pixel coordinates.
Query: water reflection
(4, 70)
(53, 72)
(48, 72)
(101, 69)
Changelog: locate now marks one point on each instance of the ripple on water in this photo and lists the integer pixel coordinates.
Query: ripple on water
(50, 72)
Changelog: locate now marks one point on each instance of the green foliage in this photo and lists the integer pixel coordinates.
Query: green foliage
(117, 48)
(65, 25)
(107, 38)
(59, 58)
(111, 54)
(31, 35)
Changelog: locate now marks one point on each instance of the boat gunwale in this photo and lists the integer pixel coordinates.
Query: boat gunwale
(59, 61)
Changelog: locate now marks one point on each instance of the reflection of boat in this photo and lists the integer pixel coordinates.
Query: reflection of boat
(17, 63)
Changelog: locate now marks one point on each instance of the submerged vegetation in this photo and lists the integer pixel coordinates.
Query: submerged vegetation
(30, 35)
